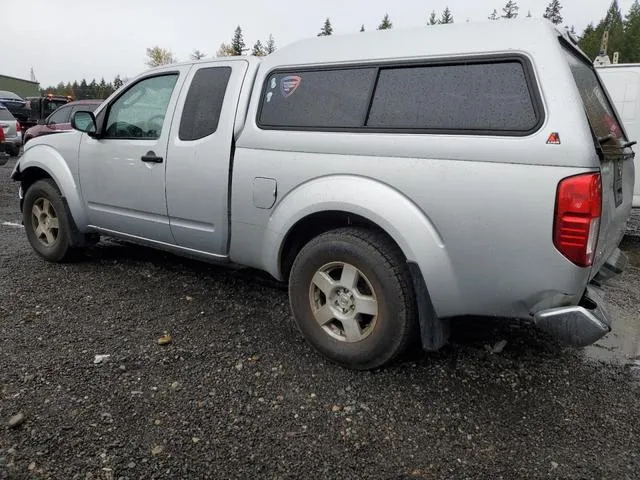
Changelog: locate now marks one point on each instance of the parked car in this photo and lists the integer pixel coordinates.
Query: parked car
(17, 105)
(4, 157)
(60, 119)
(395, 179)
(41, 107)
(12, 131)
(623, 83)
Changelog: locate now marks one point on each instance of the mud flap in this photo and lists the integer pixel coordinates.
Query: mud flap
(434, 332)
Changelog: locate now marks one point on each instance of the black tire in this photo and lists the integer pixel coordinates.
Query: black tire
(382, 275)
(58, 249)
(13, 151)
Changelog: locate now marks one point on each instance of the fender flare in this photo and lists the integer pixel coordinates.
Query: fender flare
(49, 160)
(381, 204)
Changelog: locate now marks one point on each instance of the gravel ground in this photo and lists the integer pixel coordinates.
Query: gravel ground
(238, 394)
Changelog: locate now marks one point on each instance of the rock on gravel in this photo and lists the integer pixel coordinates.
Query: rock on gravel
(16, 420)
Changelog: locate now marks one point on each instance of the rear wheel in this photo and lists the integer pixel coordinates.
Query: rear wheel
(351, 297)
(46, 222)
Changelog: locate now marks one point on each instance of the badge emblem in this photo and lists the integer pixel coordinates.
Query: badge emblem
(289, 84)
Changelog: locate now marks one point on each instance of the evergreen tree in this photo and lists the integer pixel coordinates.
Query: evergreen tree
(529, 14)
(362, 28)
(447, 16)
(591, 39)
(258, 50)
(494, 15)
(631, 46)
(326, 29)
(386, 23)
(510, 10)
(117, 82)
(552, 13)
(433, 20)
(270, 47)
(237, 43)
(102, 89)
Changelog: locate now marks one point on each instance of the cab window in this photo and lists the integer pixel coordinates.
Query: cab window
(139, 113)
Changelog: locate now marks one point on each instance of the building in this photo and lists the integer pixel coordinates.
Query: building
(24, 88)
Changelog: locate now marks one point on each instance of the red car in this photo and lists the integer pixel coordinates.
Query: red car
(60, 120)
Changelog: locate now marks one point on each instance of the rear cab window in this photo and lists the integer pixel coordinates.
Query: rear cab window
(483, 96)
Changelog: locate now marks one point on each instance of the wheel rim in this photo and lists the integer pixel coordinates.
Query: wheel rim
(343, 302)
(45, 222)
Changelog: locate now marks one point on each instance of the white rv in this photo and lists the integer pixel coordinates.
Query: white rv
(623, 83)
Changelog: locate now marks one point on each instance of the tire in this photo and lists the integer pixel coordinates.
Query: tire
(50, 242)
(351, 297)
(13, 151)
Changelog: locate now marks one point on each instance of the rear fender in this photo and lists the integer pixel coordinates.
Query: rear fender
(382, 205)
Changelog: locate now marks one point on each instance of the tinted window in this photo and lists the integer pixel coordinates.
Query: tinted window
(5, 114)
(140, 111)
(6, 94)
(61, 115)
(204, 103)
(596, 104)
(484, 97)
(319, 99)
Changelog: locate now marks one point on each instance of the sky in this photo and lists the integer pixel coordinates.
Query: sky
(75, 39)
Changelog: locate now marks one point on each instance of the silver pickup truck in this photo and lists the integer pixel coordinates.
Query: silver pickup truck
(394, 179)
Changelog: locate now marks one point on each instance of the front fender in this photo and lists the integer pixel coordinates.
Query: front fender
(48, 159)
(381, 204)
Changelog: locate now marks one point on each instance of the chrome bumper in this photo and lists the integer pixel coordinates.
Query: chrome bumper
(578, 325)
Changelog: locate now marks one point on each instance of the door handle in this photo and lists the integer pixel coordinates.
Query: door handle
(150, 157)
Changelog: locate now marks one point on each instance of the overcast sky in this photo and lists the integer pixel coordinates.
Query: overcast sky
(72, 39)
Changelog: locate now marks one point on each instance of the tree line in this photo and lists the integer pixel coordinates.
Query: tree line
(84, 90)
(624, 37)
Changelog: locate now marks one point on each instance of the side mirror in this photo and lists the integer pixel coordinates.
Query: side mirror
(85, 122)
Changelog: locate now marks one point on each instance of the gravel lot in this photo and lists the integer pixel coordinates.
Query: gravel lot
(238, 394)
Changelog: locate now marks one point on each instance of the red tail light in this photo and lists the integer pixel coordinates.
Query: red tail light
(577, 219)
(18, 127)
(1, 135)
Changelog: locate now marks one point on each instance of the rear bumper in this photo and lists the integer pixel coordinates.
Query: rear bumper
(583, 324)
(579, 325)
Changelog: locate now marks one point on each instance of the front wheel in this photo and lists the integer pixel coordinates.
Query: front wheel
(46, 222)
(351, 297)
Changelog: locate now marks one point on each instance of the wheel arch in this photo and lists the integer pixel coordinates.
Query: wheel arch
(42, 161)
(342, 200)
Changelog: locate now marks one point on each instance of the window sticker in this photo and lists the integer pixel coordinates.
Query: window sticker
(288, 85)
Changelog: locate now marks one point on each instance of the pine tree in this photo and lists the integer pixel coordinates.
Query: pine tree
(494, 15)
(102, 89)
(237, 42)
(326, 29)
(510, 10)
(117, 82)
(552, 13)
(433, 20)
(591, 38)
(386, 23)
(529, 14)
(447, 16)
(362, 28)
(258, 50)
(631, 46)
(270, 47)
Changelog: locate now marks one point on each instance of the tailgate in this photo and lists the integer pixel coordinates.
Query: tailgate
(614, 151)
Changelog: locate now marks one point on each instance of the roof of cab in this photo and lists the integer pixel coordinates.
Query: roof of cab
(438, 40)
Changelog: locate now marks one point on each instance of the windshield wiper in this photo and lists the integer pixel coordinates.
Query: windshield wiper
(629, 144)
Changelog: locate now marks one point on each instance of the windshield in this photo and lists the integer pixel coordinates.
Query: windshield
(597, 106)
(5, 94)
(51, 106)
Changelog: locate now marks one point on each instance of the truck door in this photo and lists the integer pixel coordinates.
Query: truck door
(122, 172)
(199, 156)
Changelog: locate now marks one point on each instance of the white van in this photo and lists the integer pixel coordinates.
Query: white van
(623, 83)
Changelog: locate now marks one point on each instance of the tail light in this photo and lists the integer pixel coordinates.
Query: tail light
(577, 218)
(1, 135)
(18, 127)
